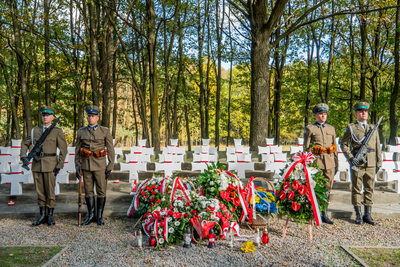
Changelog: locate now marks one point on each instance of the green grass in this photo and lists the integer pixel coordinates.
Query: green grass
(27, 256)
(378, 256)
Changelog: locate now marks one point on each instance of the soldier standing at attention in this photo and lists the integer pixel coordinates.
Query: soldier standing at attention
(350, 143)
(323, 136)
(46, 170)
(93, 144)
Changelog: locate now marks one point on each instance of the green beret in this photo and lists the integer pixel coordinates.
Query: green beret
(322, 107)
(361, 106)
(92, 110)
(47, 110)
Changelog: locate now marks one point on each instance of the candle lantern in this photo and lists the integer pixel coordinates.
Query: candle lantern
(257, 238)
(265, 238)
(139, 239)
(188, 238)
(211, 239)
(231, 238)
(152, 240)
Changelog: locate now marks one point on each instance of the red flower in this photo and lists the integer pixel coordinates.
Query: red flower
(295, 206)
(146, 187)
(170, 213)
(309, 197)
(146, 196)
(158, 201)
(236, 202)
(286, 185)
(158, 188)
(161, 224)
(225, 195)
(296, 184)
(179, 198)
(193, 212)
(152, 205)
(219, 214)
(303, 190)
(232, 194)
(185, 215)
(171, 207)
(282, 195)
(154, 186)
(291, 195)
(154, 192)
(227, 215)
(177, 215)
(152, 199)
(143, 193)
(222, 206)
(233, 209)
(188, 204)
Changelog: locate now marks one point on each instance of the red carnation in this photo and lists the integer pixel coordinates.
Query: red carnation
(193, 212)
(146, 196)
(154, 186)
(158, 188)
(185, 215)
(143, 193)
(171, 207)
(282, 195)
(296, 184)
(295, 206)
(152, 199)
(146, 187)
(158, 201)
(170, 213)
(154, 192)
(161, 224)
(286, 185)
(179, 198)
(303, 190)
(177, 215)
(188, 204)
(291, 195)
(152, 205)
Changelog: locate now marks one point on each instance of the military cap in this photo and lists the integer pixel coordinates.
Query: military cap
(322, 107)
(92, 110)
(361, 106)
(47, 110)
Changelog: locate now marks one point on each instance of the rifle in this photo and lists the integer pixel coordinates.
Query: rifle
(80, 200)
(35, 152)
(362, 152)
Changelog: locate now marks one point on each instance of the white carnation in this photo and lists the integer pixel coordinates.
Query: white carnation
(212, 189)
(169, 219)
(211, 183)
(177, 223)
(170, 230)
(161, 240)
(160, 231)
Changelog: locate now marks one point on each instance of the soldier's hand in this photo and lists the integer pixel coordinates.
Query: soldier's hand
(353, 161)
(108, 174)
(377, 169)
(25, 161)
(56, 170)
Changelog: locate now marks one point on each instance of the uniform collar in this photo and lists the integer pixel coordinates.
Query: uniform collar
(361, 124)
(45, 127)
(94, 127)
(320, 124)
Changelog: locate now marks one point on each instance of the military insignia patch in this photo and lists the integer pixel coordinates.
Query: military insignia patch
(345, 130)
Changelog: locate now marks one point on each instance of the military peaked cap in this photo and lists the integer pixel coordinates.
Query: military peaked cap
(322, 107)
(92, 110)
(47, 110)
(361, 106)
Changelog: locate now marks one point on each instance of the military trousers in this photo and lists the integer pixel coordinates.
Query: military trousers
(45, 183)
(95, 177)
(330, 174)
(364, 176)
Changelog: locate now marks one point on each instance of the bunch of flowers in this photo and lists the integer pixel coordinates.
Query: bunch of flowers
(223, 185)
(265, 201)
(293, 195)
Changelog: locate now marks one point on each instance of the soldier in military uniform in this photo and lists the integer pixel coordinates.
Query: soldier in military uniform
(93, 144)
(46, 170)
(350, 143)
(323, 136)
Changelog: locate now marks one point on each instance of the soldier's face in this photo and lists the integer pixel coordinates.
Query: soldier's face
(361, 115)
(321, 117)
(47, 119)
(92, 119)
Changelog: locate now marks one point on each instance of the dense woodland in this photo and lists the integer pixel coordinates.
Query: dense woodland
(193, 69)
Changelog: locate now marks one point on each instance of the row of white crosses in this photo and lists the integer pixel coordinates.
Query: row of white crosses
(203, 155)
(391, 168)
(239, 159)
(273, 156)
(171, 158)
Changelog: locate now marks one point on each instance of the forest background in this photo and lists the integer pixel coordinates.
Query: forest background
(156, 67)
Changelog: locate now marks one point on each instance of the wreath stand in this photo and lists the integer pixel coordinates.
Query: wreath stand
(286, 226)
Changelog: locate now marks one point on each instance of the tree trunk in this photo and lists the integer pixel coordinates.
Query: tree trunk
(363, 67)
(310, 53)
(393, 120)
(46, 6)
(93, 26)
(352, 66)
(219, 58)
(200, 41)
(330, 61)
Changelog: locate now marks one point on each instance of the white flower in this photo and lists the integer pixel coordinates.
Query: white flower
(170, 230)
(175, 204)
(158, 208)
(212, 189)
(163, 199)
(211, 183)
(161, 240)
(299, 166)
(218, 181)
(169, 219)
(160, 231)
(177, 223)
(312, 170)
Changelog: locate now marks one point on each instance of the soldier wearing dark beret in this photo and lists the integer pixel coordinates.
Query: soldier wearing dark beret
(93, 144)
(323, 136)
(350, 143)
(46, 170)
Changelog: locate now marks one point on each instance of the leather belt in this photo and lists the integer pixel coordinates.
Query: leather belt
(47, 154)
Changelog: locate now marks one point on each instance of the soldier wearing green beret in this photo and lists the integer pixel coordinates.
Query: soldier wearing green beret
(46, 170)
(323, 136)
(93, 144)
(350, 143)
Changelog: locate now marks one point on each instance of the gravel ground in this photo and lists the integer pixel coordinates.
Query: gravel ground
(112, 244)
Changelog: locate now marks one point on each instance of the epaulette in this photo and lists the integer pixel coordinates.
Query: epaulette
(104, 127)
(82, 127)
(309, 125)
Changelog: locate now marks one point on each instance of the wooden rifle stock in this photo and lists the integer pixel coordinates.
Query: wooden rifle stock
(80, 200)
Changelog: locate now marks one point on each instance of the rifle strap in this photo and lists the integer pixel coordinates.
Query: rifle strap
(354, 137)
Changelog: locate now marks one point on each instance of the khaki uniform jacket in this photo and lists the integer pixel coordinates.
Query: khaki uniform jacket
(348, 145)
(96, 140)
(53, 140)
(325, 137)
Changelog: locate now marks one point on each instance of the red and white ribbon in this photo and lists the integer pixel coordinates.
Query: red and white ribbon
(245, 208)
(177, 184)
(166, 229)
(135, 202)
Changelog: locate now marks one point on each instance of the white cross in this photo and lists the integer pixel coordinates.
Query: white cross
(61, 178)
(16, 181)
(241, 167)
(168, 168)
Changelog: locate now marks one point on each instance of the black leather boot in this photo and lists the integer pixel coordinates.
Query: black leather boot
(42, 217)
(50, 220)
(367, 216)
(101, 201)
(359, 218)
(90, 207)
(325, 218)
